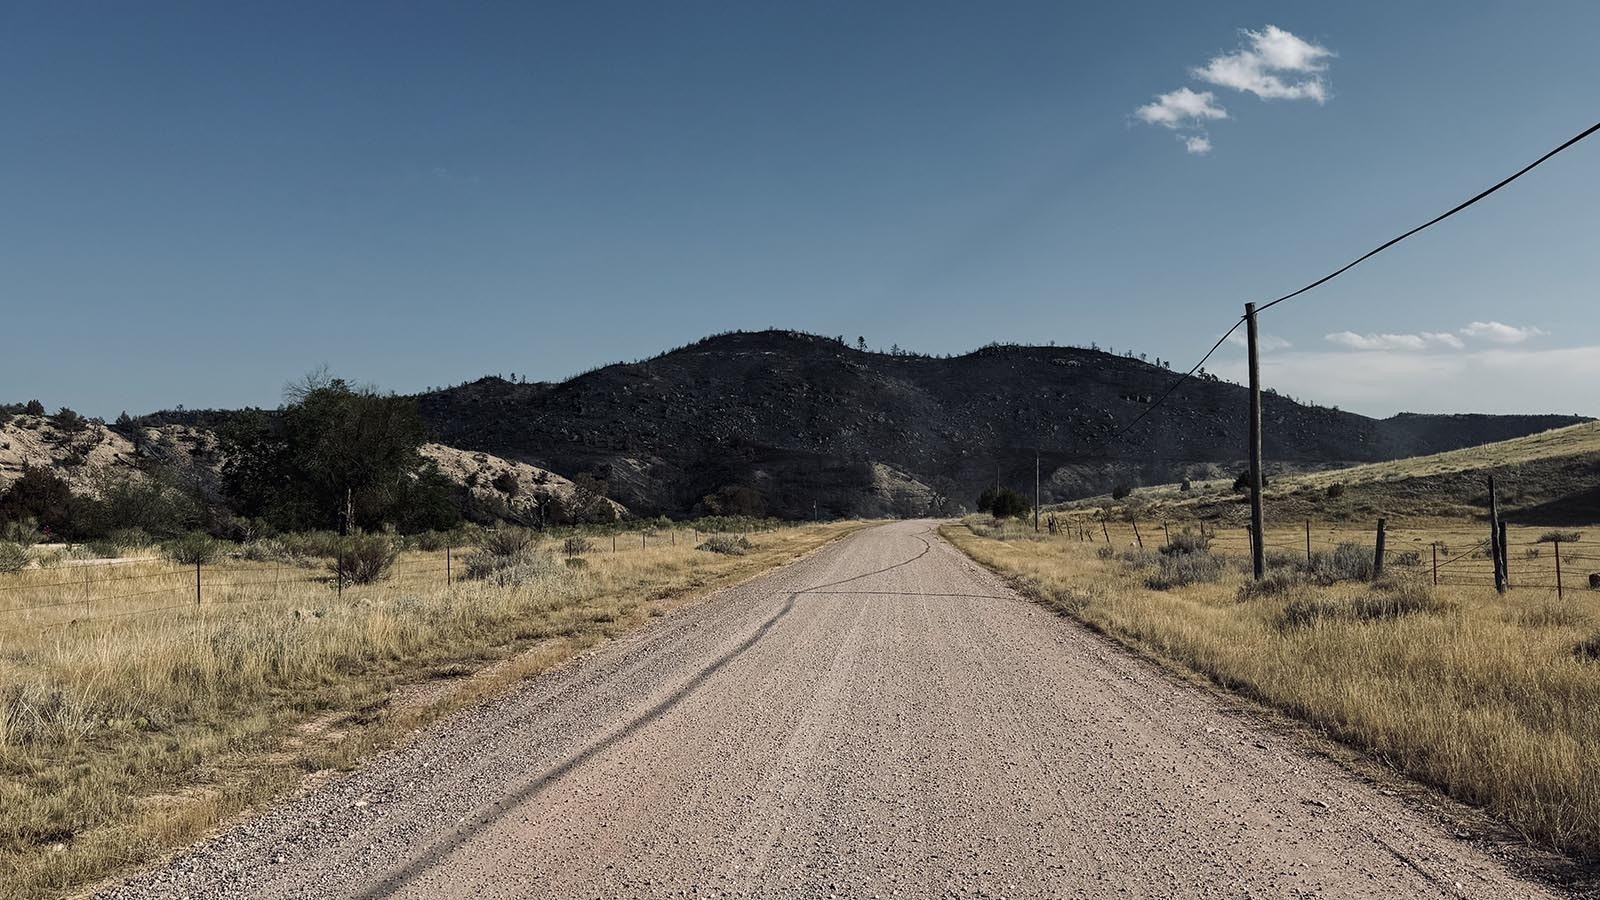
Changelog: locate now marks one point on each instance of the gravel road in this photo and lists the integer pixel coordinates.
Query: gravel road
(882, 718)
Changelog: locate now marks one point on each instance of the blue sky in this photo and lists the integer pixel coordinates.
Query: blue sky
(205, 200)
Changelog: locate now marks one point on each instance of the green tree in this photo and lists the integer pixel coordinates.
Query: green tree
(1003, 502)
(334, 455)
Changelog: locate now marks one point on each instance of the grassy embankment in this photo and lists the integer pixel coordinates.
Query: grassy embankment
(1489, 698)
(126, 735)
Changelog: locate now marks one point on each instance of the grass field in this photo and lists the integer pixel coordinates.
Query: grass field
(132, 725)
(1484, 696)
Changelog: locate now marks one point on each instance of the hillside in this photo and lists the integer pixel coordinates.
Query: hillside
(1548, 478)
(797, 419)
(90, 455)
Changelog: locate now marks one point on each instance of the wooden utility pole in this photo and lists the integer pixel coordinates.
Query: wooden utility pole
(1258, 550)
(1495, 549)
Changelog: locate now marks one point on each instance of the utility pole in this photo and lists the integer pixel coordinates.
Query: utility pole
(1258, 550)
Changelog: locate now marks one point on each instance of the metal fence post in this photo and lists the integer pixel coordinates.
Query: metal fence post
(1377, 554)
(197, 582)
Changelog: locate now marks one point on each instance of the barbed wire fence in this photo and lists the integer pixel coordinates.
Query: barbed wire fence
(83, 591)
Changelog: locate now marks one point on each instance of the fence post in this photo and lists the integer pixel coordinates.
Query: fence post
(197, 582)
(1377, 554)
(1308, 542)
(1105, 530)
(339, 575)
(1505, 556)
(1167, 532)
(1435, 563)
(613, 542)
(641, 539)
(1558, 569)
(1494, 539)
(447, 564)
(1136, 536)
(1250, 533)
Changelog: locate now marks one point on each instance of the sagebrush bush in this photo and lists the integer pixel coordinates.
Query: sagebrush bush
(577, 545)
(13, 557)
(1106, 552)
(508, 540)
(726, 544)
(1393, 598)
(1184, 569)
(1565, 537)
(1588, 649)
(364, 559)
(1187, 542)
(1304, 612)
(193, 549)
(1277, 583)
(511, 569)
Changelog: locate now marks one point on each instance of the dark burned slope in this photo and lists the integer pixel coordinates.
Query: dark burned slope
(803, 418)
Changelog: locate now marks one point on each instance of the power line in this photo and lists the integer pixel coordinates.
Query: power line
(1433, 221)
(1352, 264)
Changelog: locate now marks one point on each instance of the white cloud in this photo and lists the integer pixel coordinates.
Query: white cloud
(1181, 108)
(1500, 333)
(1424, 341)
(1197, 144)
(1259, 68)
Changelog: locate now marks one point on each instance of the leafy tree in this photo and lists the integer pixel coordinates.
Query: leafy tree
(334, 455)
(1003, 502)
(41, 495)
(34, 408)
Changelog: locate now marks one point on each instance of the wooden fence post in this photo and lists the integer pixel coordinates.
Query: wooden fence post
(1166, 531)
(1136, 536)
(1435, 563)
(1308, 542)
(1505, 556)
(1494, 539)
(1558, 569)
(447, 565)
(197, 582)
(1377, 554)
(1105, 530)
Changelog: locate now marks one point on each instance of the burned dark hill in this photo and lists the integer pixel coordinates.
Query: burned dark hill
(796, 423)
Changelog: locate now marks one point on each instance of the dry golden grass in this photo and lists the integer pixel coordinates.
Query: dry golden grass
(128, 727)
(1478, 694)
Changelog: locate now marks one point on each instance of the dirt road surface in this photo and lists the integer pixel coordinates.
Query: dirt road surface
(881, 719)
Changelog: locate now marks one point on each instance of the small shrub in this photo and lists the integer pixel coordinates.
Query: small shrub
(508, 540)
(1305, 612)
(1187, 542)
(193, 549)
(1336, 490)
(1121, 491)
(1565, 537)
(1184, 569)
(1106, 552)
(1393, 598)
(1277, 583)
(725, 544)
(433, 541)
(577, 545)
(507, 483)
(1186, 487)
(1138, 557)
(364, 559)
(13, 557)
(510, 570)
(1348, 562)
(1408, 558)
